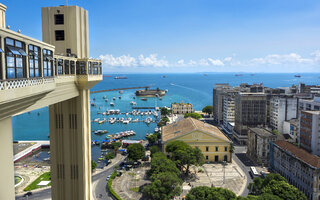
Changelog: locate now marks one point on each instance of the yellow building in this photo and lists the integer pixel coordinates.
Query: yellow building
(214, 145)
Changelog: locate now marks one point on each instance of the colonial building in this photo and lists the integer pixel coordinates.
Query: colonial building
(259, 144)
(299, 167)
(182, 108)
(214, 145)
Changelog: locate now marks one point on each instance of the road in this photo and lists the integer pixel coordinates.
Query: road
(98, 182)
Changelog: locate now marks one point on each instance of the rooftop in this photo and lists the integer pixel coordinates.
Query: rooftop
(262, 132)
(299, 153)
(188, 125)
(314, 112)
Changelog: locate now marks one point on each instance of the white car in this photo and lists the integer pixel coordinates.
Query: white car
(108, 177)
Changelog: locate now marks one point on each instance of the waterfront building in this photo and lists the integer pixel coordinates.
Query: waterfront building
(282, 108)
(214, 145)
(250, 111)
(58, 73)
(182, 108)
(259, 144)
(298, 166)
(309, 136)
(310, 104)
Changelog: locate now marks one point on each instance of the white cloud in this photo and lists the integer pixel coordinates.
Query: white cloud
(180, 62)
(121, 61)
(278, 59)
(216, 62)
(152, 60)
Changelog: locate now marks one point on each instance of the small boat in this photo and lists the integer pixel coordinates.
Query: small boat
(111, 104)
(238, 75)
(96, 120)
(100, 132)
(133, 103)
(125, 121)
(171, 84)
(160, 98)
(114, 98)
(120, 77)
(164, 76)
(106, 100)
(94, 99)
(134, 97)
(121, 91)
(119, 97)
(166, 90)
(144, 99)
(104, 97)
(297, 76)
(135, 120)
(92, 104)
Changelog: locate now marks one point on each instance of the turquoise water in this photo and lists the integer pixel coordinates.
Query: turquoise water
(191, 88)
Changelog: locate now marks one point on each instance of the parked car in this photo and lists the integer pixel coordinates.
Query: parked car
(108, 177)
(27, 194)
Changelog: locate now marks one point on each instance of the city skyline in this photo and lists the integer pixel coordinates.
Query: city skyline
(190, 36)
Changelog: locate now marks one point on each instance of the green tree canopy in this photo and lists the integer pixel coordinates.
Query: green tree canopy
(283, 190)
(207, 109)
(109, 156)
(93, 165)
(259, 183)
(160, 163)
(210, 193)
(164, 111)
(116, 145)
(183, 155)
(193, 115)
(135, 152)
(154, 149)
(164, 186)
(152, 139)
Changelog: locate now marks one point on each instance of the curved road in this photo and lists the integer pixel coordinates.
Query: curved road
(99, 184)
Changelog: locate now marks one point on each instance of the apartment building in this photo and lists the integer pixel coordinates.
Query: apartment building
(298, 166)
(250, 111)
(259, 144)
(290, 128)
(310, 131)
(282, 108)
(217, 101)
(228, 109)
(182, 108)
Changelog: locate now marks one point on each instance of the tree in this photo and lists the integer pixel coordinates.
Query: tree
(207, 109)
(164, 111)
(154, 149)
(160, 163)
(93, 165)
(109, 156)
(276, 132)
(206, 193)
(193, 115)
(184, 155)
(116, 146)
(152, 139)
(284, 190)
(136, 151)
(259, 183)
(164, 186)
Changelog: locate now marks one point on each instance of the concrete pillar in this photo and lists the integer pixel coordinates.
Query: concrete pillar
(70, 146)
(3, 9)
(6, 158)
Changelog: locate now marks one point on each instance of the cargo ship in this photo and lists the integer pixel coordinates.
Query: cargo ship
(120, 77)
(150, 93)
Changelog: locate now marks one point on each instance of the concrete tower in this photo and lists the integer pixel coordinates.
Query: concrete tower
(66, 27)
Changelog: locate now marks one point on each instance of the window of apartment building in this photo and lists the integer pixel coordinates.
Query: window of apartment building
(225, 148)
(59, 19)
(47, 62)
(72, 67)
(207, 148)
(60, 66)
(59, 35)
(15, 59)
(34, 61)
(207, 157)
(66, 67)
(217, 148)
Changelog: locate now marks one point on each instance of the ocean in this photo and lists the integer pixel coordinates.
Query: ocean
(189, 88)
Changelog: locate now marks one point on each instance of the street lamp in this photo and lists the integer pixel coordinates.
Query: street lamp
(224, 163)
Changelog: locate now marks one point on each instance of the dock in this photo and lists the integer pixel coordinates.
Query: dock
(30, 150)
(129, 88)
(135, 107)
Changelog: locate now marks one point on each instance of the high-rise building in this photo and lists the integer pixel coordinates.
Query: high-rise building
(282, 108)
(309, 137)
(250, 111)
(218, 91)
(228, 108)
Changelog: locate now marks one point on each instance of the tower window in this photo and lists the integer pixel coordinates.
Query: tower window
(58, 19)
(59, 35)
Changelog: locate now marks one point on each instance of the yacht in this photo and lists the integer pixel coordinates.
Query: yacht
(133, 103)
(111, 104)
(121, 91)
(144, 99)
(114, 98)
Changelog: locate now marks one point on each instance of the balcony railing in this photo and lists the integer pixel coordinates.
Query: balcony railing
(24, 82)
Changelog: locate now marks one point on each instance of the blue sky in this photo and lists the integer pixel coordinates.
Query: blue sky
(192, 36)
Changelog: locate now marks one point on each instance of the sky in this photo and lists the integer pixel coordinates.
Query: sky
(186, 36)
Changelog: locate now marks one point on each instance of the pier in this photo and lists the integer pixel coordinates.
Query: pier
(129, 88)
(26, 152)
(134, 107)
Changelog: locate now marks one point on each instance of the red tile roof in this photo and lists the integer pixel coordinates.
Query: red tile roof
(300, 153)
